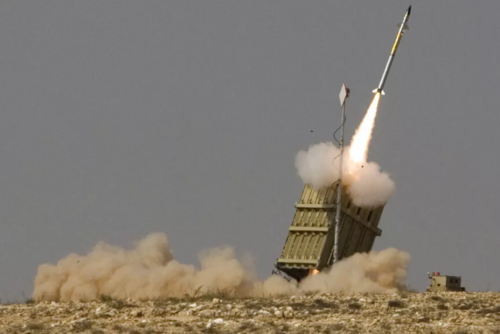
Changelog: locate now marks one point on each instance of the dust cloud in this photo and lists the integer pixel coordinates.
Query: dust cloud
(145, 272)
(374, 272)
(149, 271)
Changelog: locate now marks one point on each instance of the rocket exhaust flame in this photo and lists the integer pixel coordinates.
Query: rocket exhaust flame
(361, 139)
(313, 272)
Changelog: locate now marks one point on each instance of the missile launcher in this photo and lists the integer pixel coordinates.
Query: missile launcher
(310, 241)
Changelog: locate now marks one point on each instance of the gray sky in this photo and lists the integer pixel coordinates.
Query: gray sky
(119, 118)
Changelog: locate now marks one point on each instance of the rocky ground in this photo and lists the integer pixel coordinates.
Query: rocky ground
(459, 312)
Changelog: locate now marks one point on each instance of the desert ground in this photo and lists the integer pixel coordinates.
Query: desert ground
(446, 312)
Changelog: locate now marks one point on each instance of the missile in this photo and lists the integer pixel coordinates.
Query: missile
(403, 26)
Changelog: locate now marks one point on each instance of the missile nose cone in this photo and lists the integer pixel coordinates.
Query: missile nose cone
(409, 11)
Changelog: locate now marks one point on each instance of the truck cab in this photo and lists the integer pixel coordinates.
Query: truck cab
(444, 282)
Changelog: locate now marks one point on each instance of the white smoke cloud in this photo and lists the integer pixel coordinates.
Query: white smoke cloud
(149, 271)
(319, 166)
(367, 185)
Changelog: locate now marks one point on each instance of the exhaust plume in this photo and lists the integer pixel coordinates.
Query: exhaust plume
(149, 271)
(366, 184)
(369, 186)
(319, 166)
(363, 135)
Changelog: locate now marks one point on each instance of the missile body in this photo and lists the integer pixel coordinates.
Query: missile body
(402, 28)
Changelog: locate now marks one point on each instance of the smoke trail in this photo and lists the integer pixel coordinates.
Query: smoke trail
(149, 271)
(363, 135)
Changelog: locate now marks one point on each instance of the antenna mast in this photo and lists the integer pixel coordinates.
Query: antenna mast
(344, 94)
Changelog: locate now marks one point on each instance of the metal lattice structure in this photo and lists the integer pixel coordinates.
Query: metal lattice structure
(310, 240)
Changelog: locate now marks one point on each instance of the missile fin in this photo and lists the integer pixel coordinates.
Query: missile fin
(376, 90)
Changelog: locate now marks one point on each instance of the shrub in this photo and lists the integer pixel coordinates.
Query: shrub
(395, 303)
